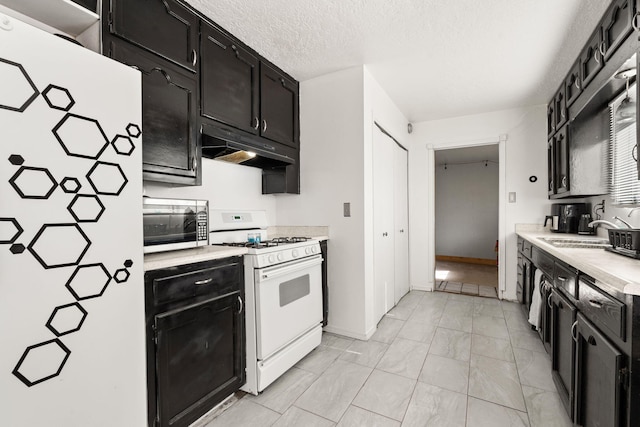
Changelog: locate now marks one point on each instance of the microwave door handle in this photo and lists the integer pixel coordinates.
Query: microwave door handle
(270, 273)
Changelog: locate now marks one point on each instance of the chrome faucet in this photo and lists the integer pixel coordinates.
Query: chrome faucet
(622, 221)
(603, 222)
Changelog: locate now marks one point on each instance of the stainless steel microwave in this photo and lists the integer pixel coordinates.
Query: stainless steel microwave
(171, 224)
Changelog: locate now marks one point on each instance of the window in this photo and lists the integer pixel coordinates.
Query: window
(623, 150)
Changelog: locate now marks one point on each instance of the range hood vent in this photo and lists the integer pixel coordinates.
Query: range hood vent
(229, 146)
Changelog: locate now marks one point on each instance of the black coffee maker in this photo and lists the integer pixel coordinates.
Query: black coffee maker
(565, 217)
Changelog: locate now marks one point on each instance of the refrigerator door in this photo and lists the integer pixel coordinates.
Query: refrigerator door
(71, 263)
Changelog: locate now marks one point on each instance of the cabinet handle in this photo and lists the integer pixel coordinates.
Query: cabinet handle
(385, 234)
(603, 48)
(264, 126)
(564, 182)
(551, 185)
(282, 82)
(596, 304)
(573, 331)
(194, 163)
(241, 304)
(235, 50)
(269, 147)
(194, 57)
(562, 279)
(203, 282)
(560, 305)
(549, 301)
(402, 230)
(563, 114)
(634, 21)
(596, 55)
(256, 122)
(577, 83)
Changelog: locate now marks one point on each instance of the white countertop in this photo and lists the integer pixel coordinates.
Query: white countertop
(189, 256)
(620, 272)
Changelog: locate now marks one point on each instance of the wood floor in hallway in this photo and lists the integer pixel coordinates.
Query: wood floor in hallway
(473, 279)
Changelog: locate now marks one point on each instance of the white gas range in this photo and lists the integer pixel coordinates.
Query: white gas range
(283, 294)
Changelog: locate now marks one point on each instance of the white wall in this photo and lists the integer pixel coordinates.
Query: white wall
(525, 156)
(225, 185)
(336, 128)
(466, 222)
(332, 172)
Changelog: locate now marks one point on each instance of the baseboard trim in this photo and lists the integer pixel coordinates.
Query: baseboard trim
(479, 261)
(350, 334)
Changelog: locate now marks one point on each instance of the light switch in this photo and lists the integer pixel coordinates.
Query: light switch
(512, 197)
(346, 209)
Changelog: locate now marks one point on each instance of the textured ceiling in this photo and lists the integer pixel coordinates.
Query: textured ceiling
(435, 58)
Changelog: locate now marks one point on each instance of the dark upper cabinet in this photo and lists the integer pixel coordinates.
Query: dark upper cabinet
(92, 5)
(563, 316)
(561, 149)
(165, 27)
(279, 107)
(229, 81)
(572, 84)
(560, 108)
(617, 25)
(171, 147)
(591, 58)
(551, 118)
(551, 168)
(600, 378)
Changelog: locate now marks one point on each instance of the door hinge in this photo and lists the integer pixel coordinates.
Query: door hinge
(624, 378)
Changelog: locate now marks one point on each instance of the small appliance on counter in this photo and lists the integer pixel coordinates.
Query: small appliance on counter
(171, 224)
(583, 225)
(565, 217)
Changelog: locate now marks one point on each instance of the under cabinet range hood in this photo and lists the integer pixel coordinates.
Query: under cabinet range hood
(229, 146)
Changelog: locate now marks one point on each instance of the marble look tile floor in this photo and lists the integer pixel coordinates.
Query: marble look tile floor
(437, 359)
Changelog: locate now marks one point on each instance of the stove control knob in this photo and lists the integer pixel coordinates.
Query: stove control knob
(313, 249)
(295, 253)
(272, 258)
(307, 251)
(280, 256)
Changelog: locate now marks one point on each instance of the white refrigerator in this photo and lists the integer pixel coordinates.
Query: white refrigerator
(72, 342)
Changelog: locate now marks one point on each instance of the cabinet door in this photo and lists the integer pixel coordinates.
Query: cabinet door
(545, 322)
(572, 85)
(520, 279)
(591, 59)
(600, 368)
(551, 118)
(199, 357)
(616, 25)
(561, 148)
(170, 136)
(563, 315)
(560, 102)
(551, 167)
(278, 107)
(164, 27)
(228, 81)
(401, 219)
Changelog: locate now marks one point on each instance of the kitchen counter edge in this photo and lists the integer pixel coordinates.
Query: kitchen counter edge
(615, 270)
(189, 256)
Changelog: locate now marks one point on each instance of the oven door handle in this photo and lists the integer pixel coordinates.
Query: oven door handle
(265, 274)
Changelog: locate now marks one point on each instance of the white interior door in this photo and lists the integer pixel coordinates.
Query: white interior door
(401, 219)
(383, 223)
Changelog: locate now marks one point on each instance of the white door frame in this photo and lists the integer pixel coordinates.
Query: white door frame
(502, 200)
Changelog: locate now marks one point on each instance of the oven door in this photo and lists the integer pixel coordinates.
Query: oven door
(288, 303)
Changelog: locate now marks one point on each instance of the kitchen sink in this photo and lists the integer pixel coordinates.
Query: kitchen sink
(576, 242)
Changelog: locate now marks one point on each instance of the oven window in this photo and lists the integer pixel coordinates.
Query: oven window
(294, 289)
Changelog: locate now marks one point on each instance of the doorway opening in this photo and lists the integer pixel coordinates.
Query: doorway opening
(467, 220)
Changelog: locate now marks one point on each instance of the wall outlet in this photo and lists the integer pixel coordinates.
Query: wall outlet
(512, 197)
(346, 209)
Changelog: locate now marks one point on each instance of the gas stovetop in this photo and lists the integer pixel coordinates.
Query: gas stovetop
(278, 241)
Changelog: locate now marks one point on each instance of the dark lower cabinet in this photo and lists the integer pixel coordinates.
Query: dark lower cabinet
(563, 316)
(544, 329)
(600, 378)
(171, 144)
(195, 339)
(164, 27)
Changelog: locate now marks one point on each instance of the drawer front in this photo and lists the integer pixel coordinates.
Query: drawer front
(602, 309)
(565, 279)
(222, 279)
(527, 249)
(543, 262)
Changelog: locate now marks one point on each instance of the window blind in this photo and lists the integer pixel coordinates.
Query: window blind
(624, 183)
